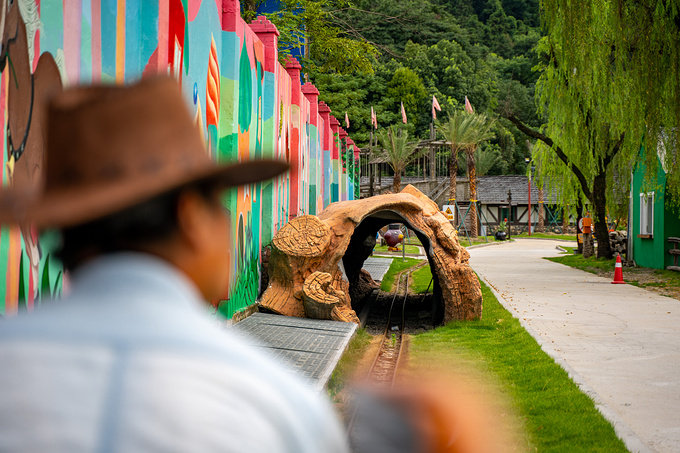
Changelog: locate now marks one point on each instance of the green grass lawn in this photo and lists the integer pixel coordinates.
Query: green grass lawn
(638, 276)
(565, 237)
(465, 242)
(355, 350)
(409, 249)
(592, 264)
(397, 266)
(420, 280)
(556, 415)
(413, 240)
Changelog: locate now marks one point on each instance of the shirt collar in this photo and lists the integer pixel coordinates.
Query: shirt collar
(111, 274)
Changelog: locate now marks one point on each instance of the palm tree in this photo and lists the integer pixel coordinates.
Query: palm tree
(464, 131)
(397, 152)
(456, 131)
(480, 130)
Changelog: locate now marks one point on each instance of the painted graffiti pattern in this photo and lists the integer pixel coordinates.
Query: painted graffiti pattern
(246, 106)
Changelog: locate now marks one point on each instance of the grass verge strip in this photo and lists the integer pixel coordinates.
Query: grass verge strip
(397, 266)
(557, 416)
(638, 276)
(420, 280)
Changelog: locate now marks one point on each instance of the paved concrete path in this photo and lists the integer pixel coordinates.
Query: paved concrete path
(620, 343)
(377, 267)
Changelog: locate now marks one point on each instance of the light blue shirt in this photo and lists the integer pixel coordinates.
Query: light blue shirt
(130, 362)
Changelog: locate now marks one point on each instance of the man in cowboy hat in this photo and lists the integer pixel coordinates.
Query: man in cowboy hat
(129, 361)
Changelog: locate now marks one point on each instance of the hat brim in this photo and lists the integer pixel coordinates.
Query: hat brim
(77, 205)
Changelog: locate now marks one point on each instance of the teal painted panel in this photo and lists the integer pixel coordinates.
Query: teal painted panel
(133, 33)
(312, 199)
(649, 252)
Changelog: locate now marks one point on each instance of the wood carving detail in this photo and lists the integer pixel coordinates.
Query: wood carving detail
(306, 272)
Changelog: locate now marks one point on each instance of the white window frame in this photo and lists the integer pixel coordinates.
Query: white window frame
(647, 213)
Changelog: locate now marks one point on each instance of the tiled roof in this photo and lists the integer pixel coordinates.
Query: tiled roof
(494, 190)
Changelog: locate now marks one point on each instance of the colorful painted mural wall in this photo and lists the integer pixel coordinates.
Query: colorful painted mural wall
(245, 103)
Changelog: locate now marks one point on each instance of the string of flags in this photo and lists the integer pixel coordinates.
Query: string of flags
(435, 108)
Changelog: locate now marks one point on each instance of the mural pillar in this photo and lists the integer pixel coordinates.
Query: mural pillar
(335, 159)
(351, 168)
(312, 95)
(357, 172)
(231, 14)
(326, 141)
(269, 35)
(296, 168)
(344, 164)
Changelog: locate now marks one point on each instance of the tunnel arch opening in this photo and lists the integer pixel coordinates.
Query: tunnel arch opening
(360, 247)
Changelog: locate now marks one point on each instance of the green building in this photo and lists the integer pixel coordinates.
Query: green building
(653, 220)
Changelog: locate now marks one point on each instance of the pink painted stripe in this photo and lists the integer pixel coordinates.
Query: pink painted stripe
(96, 41)
(163, 30)
(72, 24)
(36, 41)
(3, 76)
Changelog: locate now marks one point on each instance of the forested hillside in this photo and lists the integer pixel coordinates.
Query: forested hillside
(450, 49)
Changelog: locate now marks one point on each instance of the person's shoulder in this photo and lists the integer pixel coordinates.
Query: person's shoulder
(282, 397)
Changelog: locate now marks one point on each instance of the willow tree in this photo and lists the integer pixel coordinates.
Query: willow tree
(397, 152)
(610, 82)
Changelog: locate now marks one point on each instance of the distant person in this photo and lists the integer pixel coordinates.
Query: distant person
(129, 360)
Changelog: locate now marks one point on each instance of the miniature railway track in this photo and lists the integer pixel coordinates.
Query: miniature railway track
(383, 370)
(384, 367)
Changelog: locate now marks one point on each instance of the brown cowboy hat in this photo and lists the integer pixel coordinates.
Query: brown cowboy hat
(111, 147)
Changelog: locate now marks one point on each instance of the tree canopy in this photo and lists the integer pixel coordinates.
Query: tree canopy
(612, 70)
(307, 28)
(397, 151)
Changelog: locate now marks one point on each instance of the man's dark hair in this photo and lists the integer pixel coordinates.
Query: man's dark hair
(151, 221)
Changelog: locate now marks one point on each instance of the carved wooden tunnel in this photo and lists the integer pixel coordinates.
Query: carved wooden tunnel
(315, 263)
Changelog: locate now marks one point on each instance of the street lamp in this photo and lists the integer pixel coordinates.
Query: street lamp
(527, 160)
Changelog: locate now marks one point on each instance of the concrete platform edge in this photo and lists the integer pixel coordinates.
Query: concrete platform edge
(623, 431)
(325, 377)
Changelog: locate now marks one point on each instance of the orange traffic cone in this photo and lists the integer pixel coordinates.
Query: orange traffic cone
(618, 271)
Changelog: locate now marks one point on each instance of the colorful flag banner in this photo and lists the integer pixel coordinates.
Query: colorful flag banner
(403, 114)
(468, 106)
(435, 106)
(346, 120)
(374, 119)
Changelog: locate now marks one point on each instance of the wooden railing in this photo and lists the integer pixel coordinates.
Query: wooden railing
(675, 253)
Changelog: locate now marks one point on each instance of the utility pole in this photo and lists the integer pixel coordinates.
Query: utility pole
(371, 172)
(528, 161)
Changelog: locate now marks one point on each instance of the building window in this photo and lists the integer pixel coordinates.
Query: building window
(647, 213)
(509, 213)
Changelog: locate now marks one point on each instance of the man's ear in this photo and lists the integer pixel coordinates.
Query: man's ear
(192, 219)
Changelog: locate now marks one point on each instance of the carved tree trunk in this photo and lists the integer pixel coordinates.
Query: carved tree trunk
(305, 276)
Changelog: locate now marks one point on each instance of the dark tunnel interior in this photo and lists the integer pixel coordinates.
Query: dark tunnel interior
(360, 247)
